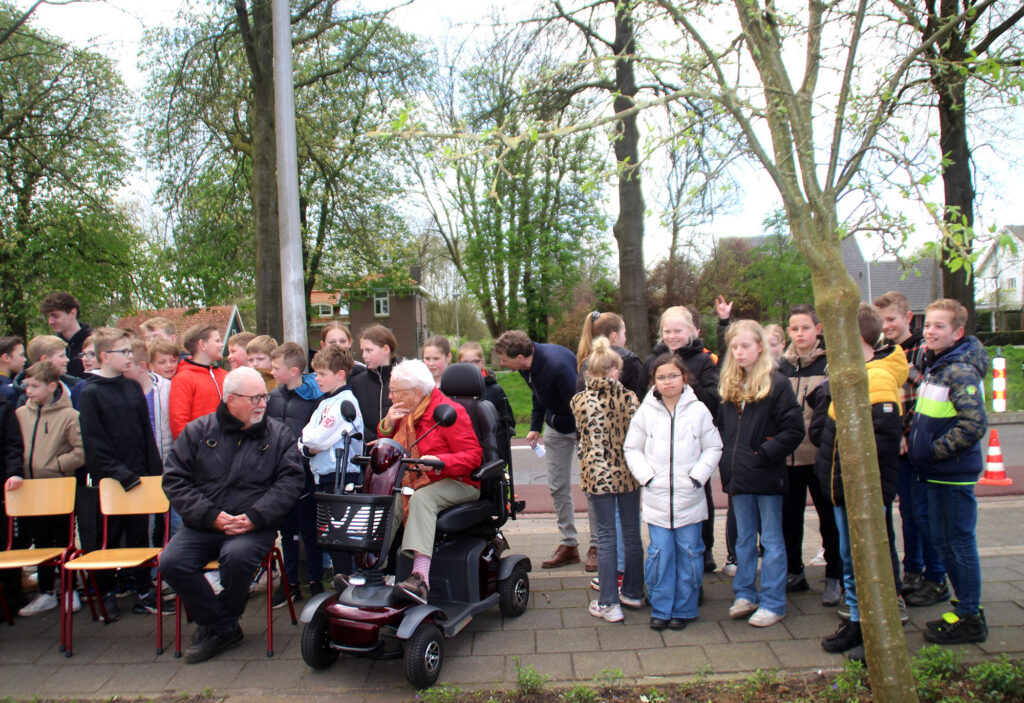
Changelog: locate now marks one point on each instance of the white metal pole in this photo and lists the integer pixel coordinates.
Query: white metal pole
(293, 302)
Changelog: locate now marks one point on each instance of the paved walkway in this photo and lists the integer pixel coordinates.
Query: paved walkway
(556, 636)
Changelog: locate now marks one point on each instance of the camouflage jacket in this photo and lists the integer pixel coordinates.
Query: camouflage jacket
(949, 419)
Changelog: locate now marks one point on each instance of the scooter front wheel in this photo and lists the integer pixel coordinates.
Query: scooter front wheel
(514, 592)
(316, 641)
(424, 656)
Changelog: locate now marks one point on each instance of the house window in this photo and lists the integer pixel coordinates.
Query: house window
(1011, 284)
(325, 310)
(381, 307)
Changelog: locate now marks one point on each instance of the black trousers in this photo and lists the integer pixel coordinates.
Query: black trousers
(802, 479)
(182, 562)
(707, 529)
(44, 531)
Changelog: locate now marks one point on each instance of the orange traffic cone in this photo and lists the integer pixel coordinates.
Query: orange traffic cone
(995, 472)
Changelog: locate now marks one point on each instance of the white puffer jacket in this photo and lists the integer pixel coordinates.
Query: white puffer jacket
(667, 469)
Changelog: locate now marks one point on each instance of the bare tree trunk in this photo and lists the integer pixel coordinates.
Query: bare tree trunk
(836, 298)
(629, 227)
(258, 41)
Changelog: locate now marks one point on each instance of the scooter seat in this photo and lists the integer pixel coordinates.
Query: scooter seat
(464, 516)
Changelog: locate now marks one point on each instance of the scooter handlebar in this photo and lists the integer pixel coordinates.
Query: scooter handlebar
(436, 464)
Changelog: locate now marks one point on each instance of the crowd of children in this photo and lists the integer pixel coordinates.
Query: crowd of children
(651, 436)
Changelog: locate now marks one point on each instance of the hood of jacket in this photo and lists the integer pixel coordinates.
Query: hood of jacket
(653, 399)
(61, 400)
(309, 389)
(802, 360)
(967, 351)
(187, 366)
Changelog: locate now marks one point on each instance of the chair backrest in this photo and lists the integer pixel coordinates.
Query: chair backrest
(149, 497)
(463, 383)
(42, 496)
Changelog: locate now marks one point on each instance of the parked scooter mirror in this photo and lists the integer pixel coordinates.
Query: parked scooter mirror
(444, 415)
(348, 410)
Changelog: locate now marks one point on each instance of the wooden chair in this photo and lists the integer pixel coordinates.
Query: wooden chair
(38, 497)
(273, 557)
(147, 498)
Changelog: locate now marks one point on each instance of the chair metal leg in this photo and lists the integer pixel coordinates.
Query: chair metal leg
(159, 614)
(3, 606)
(268, 564)
(177, 626)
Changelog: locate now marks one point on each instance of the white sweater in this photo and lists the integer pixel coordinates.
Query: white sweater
(323, 434)
(667, 452)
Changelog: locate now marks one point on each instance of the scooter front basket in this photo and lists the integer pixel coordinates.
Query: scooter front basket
(352, 521)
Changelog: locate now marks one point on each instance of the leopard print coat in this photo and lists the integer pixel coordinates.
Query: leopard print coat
(603, 412)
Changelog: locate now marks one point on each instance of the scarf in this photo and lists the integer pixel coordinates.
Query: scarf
(405, 434)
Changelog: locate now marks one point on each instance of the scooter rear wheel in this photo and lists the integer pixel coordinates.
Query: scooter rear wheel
(424, 656)
(316, 649)
(514, 592)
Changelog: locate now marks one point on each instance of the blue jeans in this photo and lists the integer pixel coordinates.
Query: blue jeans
(913, 550)
(934, 569)
(674, 570)
(747, 508)
(628, 506)
(844, 549)
(954, 518)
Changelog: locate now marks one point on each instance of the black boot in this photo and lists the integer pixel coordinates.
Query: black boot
(847, 636)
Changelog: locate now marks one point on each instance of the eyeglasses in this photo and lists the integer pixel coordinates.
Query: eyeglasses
(478, 362)
(87, 355)
(400, 390)
(254, 399)
(126, 352)
(669, 378)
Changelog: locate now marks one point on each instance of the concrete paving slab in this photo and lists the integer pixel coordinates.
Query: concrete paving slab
(673, 661)
(591, 666)
(483, 670)
(81, 677)
(741, 656)
(579, 639)
(512, 642)
(804, 654)
(557, 666)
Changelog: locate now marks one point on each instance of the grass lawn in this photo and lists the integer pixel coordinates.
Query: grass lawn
(1014, 378)
(519, 396)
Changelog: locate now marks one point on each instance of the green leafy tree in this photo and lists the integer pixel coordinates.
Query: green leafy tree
(61, 163)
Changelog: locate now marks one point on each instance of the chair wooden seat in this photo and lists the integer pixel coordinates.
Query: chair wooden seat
(40, 497)
(147, 498)
(17, 558)
(120, 558)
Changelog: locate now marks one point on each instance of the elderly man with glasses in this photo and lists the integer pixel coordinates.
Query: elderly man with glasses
(233, 475)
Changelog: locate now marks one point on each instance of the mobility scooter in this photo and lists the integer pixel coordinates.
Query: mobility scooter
(471, 568)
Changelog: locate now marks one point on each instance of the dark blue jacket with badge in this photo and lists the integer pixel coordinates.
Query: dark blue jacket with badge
(949, 418)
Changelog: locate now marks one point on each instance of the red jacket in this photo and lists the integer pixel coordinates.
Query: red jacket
(196, 390)
(457, 446)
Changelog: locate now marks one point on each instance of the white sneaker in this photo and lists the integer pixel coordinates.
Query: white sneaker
(610, 613)
(214, 579)
(40, 604)
(741, 608)
(819, 559)
(729, 569)
(259, 584)
(595, 584)
(630, 602)
(764, 618)
(76, 602)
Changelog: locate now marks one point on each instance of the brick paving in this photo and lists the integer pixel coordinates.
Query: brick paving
(556, 636)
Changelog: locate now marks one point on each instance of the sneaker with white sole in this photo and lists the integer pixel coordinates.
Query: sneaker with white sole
(764, 618)
(76, 602)
(609, 613)
(819, 559)
(741, 608)
(630, 602)
(40, 604)
(213, 577)
(729, 569)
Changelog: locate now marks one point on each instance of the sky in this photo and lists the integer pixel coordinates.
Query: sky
(115, 28)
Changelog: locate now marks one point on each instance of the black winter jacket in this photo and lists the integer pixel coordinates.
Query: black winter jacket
(702, 368)
(888, 426)
(75, 367)
(758, 438)
(116, 431)
(11, 447)
(506, 427)
(214, 465)
(633, 376)
(371, 390)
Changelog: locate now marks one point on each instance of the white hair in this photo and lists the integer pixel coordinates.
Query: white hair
(415, 373)
(235, 379)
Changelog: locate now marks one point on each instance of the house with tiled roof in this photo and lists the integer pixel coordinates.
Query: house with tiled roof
(225, 317)
(999, 280)
(400, 304)
(920, 280)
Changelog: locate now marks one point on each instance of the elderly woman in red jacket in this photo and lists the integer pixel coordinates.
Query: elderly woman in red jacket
(414, 397)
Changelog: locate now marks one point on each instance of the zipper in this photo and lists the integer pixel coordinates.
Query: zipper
(672, 468)
(32, 451)
(736, 442)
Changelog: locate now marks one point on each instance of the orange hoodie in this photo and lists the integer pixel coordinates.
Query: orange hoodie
(196, 390)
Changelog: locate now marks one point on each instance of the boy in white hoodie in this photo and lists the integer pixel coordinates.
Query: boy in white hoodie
(327, 428)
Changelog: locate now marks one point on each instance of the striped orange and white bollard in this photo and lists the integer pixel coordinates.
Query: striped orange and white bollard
(999, 382)
(995, 471)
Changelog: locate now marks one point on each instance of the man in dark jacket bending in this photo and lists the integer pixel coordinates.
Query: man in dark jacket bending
(233, 475)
